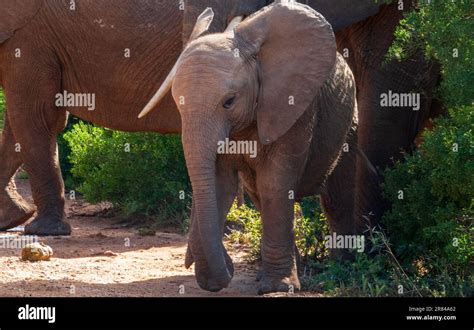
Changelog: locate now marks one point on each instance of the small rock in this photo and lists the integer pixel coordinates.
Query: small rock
(109, 253)
(36, 252)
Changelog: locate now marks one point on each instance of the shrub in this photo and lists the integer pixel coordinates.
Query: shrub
(248, 229)
(443, 30)
(70, 181)
(142, 173)
(365, 276)
(310, 228)
(380, 274)
(432, 195)
(432, 190)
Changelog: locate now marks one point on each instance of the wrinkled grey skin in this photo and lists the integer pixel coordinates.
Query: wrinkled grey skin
(245, 98)
(364, 30)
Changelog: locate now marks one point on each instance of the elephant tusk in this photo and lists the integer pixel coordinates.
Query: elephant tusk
(202, 24)
(233, 24)
(161, 93)
(205, 19)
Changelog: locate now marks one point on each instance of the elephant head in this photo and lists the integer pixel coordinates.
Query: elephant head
(224, 83)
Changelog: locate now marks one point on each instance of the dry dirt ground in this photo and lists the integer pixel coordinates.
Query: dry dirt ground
(103, 258)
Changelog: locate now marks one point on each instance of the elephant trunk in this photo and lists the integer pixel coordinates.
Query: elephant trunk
(200, 143)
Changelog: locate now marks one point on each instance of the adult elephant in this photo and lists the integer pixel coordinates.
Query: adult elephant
(364, 32)
(105, 48)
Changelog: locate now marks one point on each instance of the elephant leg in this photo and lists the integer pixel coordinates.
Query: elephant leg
(250, 188)
(227, 183)
(279, 264)
(42, 165)
(14, 210)
(338, 197)
(35, 122)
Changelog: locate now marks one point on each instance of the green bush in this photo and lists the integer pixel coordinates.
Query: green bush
(363, 277)
(380, 274)
(246, 229)
(443, 30)
(142, 173)
(432, 196)
(70, 181)
(310, 228)
(431, 191)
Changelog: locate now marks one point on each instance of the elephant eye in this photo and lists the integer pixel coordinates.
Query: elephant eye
(228, 103)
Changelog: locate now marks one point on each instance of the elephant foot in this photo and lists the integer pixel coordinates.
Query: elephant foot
(260, 273)
(48, 226)
(269, 284)
(14, 213)
(189, 260)
(208, 282)
(212, 284)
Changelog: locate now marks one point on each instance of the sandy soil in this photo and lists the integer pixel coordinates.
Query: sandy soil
(104, 258)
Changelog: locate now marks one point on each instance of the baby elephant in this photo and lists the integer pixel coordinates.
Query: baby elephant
(274, 103)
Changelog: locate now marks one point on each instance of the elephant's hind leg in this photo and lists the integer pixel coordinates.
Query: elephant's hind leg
(14, 210)
(35, 122)
(48, 192)
(338, 200)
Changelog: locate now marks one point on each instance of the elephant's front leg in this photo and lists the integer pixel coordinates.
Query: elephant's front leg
(279, 264)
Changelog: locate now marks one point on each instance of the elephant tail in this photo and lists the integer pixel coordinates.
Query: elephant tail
(370, 204)
(365, 160)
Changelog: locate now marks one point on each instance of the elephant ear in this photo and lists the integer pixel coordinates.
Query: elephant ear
(295, 49)
(203, 23)
(16, 14)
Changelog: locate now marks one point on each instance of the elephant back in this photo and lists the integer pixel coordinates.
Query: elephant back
(15, 14)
